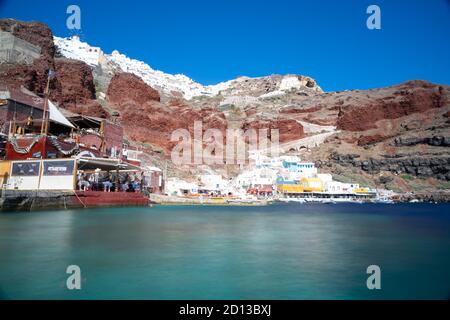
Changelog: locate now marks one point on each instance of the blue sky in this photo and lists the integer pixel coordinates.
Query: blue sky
(217, 40)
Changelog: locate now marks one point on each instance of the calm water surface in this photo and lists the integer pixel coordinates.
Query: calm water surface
(286, 251)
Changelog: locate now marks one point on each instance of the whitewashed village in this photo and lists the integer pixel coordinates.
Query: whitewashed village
(267, 179)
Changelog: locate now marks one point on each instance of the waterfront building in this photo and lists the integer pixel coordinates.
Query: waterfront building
(212, 184)
(312, 184)
(259, 181)
(322, 187)
(178, 187)
(340, 187)
(292, 188)
(131, 155)
(325, 177)
(21, 112)
(298, 186)
(261, 190)
(49, 156)
(255, 177)
(263, 161)
(153, 180)
(97, 137)
(28, 134)
(301, 169)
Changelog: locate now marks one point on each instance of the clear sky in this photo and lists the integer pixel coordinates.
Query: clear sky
(217, 40)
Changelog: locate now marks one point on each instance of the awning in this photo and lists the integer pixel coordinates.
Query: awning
(154, 169)
(82, 121)
(56, 116)
(105, 164)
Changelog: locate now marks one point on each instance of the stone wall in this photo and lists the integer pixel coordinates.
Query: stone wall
(17, 200)
(17, 51)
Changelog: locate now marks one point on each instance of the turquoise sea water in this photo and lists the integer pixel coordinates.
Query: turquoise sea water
(286, 251)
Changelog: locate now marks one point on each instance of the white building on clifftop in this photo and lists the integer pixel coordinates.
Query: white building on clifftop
(73, 48)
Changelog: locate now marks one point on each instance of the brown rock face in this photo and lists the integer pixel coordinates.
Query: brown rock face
(408, 98)
(145, 119)
(154, 123)
(75, 83)
(74, 89)
(89, 108)
(288, 129)
(33, 77)
(36, 33)
(129, 87)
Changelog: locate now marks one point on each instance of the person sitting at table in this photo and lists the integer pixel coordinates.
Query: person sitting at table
(123, 180)
(107, 186)
(136, 186)
(83, 184)
(91, 180)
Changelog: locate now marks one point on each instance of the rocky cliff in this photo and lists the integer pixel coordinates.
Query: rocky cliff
(395, 137)
(390, 103)
(147, 120)
(33, 76)
(73, 86)
(129, 87)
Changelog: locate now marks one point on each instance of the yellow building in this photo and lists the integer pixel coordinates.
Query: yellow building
(312, 185)
(290, 188)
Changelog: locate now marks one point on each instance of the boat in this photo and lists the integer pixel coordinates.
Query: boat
(384, 200)
(287, 200)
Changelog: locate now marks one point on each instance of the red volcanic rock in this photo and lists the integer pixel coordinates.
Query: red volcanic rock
(125, 87)
(154, 122)
(36, 33)
(74, 89)
(288, 129)
(88, 108)
(20, 75)
(34, 76)
(408, 98)
(75, 83)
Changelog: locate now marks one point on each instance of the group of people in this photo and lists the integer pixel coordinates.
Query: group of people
(110, 182)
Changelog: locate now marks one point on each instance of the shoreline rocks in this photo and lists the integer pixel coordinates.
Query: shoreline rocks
(437, 167)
